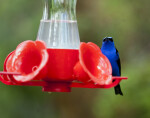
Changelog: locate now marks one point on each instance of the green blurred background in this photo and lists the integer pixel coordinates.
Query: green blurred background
(127, 21)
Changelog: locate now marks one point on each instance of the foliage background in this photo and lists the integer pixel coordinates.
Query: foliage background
(127, 21)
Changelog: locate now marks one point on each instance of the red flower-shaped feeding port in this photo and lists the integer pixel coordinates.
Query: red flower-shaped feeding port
(58, 70)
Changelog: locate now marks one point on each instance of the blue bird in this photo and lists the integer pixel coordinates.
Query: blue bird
(109, 50)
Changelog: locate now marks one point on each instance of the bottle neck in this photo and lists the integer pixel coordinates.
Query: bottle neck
(63, 10)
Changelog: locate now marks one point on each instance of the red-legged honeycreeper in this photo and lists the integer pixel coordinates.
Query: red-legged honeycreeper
(109, 50)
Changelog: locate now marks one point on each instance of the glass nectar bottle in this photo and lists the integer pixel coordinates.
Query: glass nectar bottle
(58, 27)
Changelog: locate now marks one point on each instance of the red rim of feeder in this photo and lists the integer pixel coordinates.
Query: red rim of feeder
(62, 86)
(6, 76)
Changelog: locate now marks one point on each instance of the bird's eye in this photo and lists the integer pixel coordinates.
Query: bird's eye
(104, 39)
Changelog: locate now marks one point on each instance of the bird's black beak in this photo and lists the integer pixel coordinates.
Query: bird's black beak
(108, 39)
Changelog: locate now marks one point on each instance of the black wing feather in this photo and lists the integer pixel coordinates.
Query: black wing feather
(118, 88)
(118, 62)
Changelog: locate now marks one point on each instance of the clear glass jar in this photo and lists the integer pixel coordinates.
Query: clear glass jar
(58, 27)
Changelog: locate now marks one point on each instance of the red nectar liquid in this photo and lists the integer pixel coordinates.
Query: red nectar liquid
(61, 63)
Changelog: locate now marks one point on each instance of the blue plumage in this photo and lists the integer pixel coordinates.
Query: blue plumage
(109, 50)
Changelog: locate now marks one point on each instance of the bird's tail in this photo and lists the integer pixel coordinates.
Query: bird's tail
(118, 90)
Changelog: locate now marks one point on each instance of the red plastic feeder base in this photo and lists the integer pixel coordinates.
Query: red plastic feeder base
(61, 86)
(57, 87)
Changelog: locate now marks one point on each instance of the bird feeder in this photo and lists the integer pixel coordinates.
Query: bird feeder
(57, 60)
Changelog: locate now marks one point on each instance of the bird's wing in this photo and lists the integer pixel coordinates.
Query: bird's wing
(118, 62)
